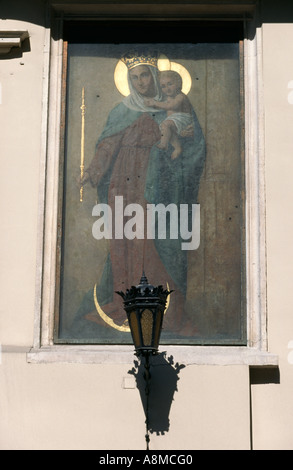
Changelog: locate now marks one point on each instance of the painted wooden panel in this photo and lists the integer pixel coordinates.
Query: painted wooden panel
(126, 167)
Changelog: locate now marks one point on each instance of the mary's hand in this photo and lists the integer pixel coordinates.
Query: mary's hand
(149, 102)
(82, 181)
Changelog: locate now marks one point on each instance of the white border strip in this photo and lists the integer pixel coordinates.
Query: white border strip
(255, 192)
(188, 355)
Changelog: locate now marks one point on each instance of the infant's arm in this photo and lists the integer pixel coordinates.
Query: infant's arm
(171, 104)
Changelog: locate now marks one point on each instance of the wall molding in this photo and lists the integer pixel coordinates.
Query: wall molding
(10, 39)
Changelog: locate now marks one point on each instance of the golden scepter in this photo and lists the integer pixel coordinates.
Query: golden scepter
(82, 145)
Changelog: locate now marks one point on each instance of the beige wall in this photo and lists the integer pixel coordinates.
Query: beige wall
(21, 80)
(97, 406)
(78, 406)
(272, 405)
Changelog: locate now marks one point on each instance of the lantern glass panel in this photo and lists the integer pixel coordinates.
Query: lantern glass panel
(134, 326)
(158, 328)
(147, 327)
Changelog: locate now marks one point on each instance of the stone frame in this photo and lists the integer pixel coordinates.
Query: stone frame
(256, 352)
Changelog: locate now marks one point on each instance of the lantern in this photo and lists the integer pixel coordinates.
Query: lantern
(145, 305)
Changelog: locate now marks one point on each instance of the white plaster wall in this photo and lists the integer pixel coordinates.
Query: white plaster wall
(79, 406)
(67, 407)
(272, 403)
(20, 144)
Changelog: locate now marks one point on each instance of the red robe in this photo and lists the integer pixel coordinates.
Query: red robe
(131, 148)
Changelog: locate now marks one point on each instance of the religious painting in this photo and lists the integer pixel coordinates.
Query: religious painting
(151, 181)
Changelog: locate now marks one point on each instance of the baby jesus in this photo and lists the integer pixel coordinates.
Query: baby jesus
(178, 110)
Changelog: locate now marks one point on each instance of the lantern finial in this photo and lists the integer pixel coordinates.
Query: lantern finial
(143, 279)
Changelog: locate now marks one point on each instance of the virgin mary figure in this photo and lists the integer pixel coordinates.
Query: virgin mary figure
(128, 163)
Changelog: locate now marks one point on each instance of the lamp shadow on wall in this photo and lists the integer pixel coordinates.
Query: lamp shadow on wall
(164, 375)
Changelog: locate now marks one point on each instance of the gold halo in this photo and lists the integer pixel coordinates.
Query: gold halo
(185, 75)
(124, 328)
(121, 82)
(120, 78)
(163, 63)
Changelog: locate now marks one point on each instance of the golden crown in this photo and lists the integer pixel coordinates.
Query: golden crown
(135, 60)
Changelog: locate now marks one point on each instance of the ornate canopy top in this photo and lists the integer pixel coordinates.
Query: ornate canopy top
(145, 292)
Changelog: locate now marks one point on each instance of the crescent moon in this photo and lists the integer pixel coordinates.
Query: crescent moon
(124, 328)
(121, 82)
